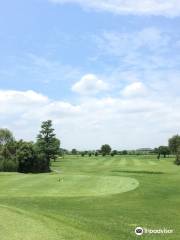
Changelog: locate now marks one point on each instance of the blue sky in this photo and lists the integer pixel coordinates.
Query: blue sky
(103, 71)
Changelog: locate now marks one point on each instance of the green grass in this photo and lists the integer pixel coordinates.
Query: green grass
(97, 198)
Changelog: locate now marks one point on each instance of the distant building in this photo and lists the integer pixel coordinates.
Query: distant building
(144, 150)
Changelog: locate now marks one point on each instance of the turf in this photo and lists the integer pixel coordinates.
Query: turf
(92, 199)
(64, 185)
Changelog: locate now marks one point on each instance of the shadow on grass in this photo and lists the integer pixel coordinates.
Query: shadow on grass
(141, 172)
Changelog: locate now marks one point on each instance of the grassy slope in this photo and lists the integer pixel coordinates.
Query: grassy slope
(87, 203)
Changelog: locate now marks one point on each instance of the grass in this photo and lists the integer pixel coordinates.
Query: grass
(97, 198)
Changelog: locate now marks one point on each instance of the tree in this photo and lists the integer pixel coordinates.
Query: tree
(82, 154)
(29, 159)
(56, 149)
(74, 151)
(155, 150)
(114, 152)
(6, 136)
(174, 145)
(63, 152)
(47, 143)
(7, 151)
(12, 147)
(96, 153)
(124, 152)
(163, 150)
(8, 161)
(25, 156)
(105, 149)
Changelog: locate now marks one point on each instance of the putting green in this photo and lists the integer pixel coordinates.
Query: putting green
(64, 185)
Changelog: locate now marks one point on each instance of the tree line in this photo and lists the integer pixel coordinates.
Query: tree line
(29, 157)
(35, 157)
(161, 151)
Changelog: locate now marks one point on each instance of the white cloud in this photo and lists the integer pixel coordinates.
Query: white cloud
(16, 103)
(140, 53)
(92, 122)
(136, 89)
(139, 7)
(37, 69)
(122, 44)
(90, 84)
(23, 97)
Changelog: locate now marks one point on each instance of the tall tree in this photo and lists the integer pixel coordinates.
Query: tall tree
(47, 143)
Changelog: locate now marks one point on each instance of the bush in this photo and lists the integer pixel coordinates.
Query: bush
(30, 160)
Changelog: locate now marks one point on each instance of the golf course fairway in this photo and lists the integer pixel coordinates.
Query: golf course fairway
(92, 198)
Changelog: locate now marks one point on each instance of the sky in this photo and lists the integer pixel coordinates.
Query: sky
(105, 71)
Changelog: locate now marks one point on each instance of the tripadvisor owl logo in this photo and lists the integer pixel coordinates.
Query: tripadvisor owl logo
(139, 231)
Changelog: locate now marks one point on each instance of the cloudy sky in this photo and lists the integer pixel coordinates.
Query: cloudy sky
(105, 71)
